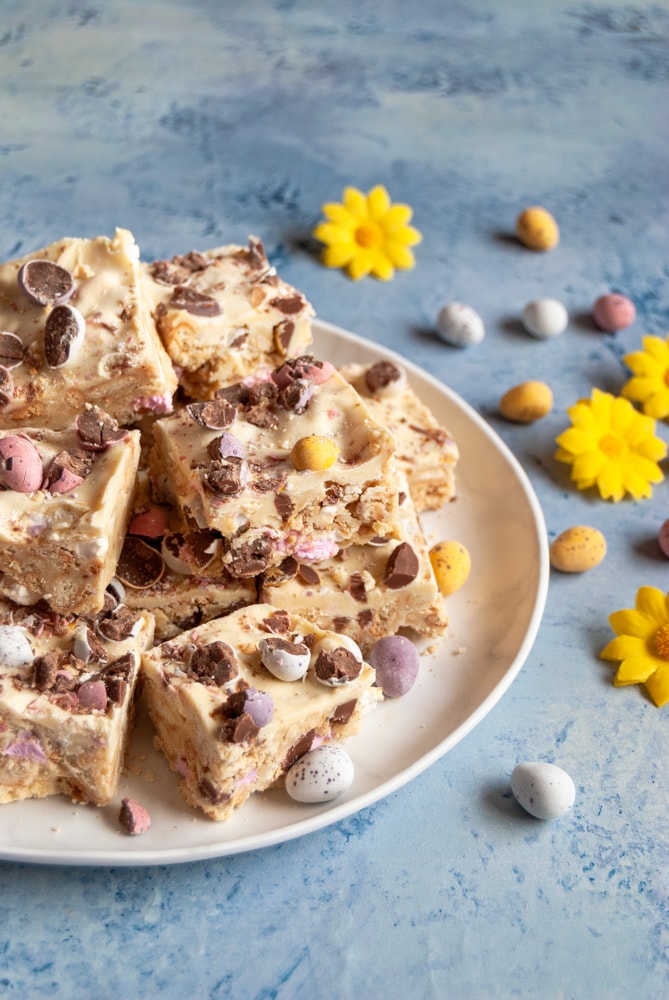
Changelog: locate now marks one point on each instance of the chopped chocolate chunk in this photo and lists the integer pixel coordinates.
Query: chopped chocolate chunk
(297, 395)
(284, 505)
(298, 749)
(288, 304)
(238, 730)
(357, 589)
(11, 350)
(343, 713)
(240, 339)
(278, 622)
(121, 624)
(436, 434)
(6, 386)
(97, 430)
(236, 394)
(45, 282)
(382, 374)
(44, 670)
(202, 546)
(134, 818)
(194, 302)
(87, 646)
(215, 795)
(261, 416)
(226, 477)
(334, 667)
(257, 257)
(283, 335)
(269, 484)
(308, 575)
(341, 623)
(167, 272)
(366, 617)
(215, 414)
(248, 558)
(214, 663)
(401, 568)
(139, 565)
(68, 470)
(64, 328)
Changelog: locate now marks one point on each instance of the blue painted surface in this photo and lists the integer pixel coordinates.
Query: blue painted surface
(198, 123)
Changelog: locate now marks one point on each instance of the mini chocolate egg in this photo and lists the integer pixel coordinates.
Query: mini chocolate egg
(577, 549)
(545, 318)
(663, 538)
(537, 229)
(527, 402)
(396, 662)
(613, 312)
(543, 790)
(451, 564)
(459, 325)
(321, 775)
(20, 464)
(285, 660)
(259, 705)
(15, 649)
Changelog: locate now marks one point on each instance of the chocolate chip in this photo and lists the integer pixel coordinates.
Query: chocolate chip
(215, 414)
(64, 328)
(284, 505)
(139, 565)
(214, 663)
(11, 350)
(401, 568)
(382, 374)
(279, 622)
(236, 394)
(365, 618)
(133, 816)
(45, 282)
(6, 387)
(121, 624)
(248, 558)
(356, 586)
(226, 477)
(283, 335)
(343, 713)
(334, 667)
(97, 430)
(209, 791)
(308, 575)
(194, 302)
(261, 416)
(298, 749)
(239, 730)
(256, 256)
(288, 304)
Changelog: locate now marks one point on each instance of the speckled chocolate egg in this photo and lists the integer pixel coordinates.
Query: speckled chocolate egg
(459, 325)
(526, 402)
(543, 790)
(451, 564)
(20, 464)
(321, 775)
(613, 312)
(545, 318)
(537, 229)
(577, 549)
(396, 663)
(285, 660)
(15, 648)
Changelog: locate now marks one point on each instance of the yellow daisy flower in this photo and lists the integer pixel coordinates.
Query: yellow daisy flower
(612, 446)
(649, 384)
(367, 234)
(642, 644)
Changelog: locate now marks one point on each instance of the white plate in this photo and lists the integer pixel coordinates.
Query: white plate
(495, 618)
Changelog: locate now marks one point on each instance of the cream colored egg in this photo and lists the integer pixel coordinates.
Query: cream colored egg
(451, 564)
(527, 402)
(578, 549)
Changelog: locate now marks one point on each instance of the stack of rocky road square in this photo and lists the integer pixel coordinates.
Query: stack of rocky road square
(188, 494)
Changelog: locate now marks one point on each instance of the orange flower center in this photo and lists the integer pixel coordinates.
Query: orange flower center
(661, 642)
(368, 234)
(611, 445)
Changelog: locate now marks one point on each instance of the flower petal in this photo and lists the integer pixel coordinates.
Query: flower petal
(623, 647)
(332, 233)
(401, 256)
(653, 602)
(378, 202)
(338, 213)
(636, 670)
(657, 685)
(355, 202)
(397, 215)
(382, 268)
(630, 621)
(339, 255)
(361, 264)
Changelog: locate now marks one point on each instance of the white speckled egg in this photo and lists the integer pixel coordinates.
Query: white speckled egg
(459, 325)
(321, 775)
(15, 649)
(545, 318)
(285, 660)
(543, 790)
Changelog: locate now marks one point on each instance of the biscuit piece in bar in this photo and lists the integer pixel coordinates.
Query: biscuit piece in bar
(228, 725)
(66, 701)
(223, 313)
(426, 452)
(64, 510)
(241, 465)
(76, 328)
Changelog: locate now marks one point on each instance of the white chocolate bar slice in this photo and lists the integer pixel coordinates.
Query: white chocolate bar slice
(224, 313)
(66, 702)
(119, 363)
(200, 686)
(426, 452)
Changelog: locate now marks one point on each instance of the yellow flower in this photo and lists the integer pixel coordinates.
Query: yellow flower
(612, 446)
(367, 234)
(649, 384)
(642, 644)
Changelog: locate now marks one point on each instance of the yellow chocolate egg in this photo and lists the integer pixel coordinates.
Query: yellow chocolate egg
(526, 402)
(451, 564)
(578, 549)
(537, 229)
(315, 453)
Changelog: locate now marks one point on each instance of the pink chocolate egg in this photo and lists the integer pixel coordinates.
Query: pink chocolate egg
(613, 312)
(20, 464)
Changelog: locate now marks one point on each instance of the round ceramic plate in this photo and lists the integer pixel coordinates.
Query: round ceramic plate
(494, 620)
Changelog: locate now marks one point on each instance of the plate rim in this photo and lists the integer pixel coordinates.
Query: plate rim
(326, 817)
